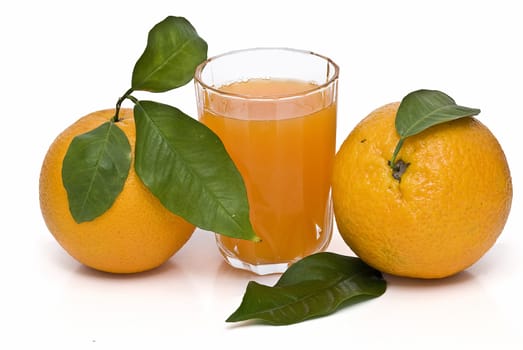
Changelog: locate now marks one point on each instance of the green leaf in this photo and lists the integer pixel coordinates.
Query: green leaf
(422, 109)
(186, 166)
(315, 286)
(94, 170)
(173, 51)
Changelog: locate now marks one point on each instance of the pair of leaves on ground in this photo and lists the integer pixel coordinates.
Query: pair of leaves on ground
(315, 286)
(180, 160)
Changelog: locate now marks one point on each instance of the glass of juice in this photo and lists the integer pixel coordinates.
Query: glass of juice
(275, 111)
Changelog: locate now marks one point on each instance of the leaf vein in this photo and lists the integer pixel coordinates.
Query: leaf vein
(96, 170)
(326, 289)
(165, 62)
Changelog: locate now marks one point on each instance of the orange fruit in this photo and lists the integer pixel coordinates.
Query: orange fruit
(135, 234)
(446, 212)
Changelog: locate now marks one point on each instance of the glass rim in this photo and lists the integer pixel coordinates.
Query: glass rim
(199, 69)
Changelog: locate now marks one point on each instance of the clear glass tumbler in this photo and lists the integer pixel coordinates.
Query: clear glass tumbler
(275, 111)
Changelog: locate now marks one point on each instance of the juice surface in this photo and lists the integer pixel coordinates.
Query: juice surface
(284, 149)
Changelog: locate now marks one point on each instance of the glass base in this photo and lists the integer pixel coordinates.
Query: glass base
(280, 267)
(263, 269)
(268, 268)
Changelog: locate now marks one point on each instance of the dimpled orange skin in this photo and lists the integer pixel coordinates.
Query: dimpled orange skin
(446, 213)
(136, 234)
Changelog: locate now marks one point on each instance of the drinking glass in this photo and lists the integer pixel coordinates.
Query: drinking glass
(275, 111)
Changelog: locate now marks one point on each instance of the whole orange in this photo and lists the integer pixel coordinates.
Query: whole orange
(447, 210)
(135, 234)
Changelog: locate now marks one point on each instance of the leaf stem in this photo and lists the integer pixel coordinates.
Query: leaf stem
(119, 104)
(392, 162)
(133, 99)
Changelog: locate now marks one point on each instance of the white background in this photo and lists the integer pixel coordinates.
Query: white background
(62, 60)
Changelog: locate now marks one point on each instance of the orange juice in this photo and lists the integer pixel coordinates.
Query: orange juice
(284, 148)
